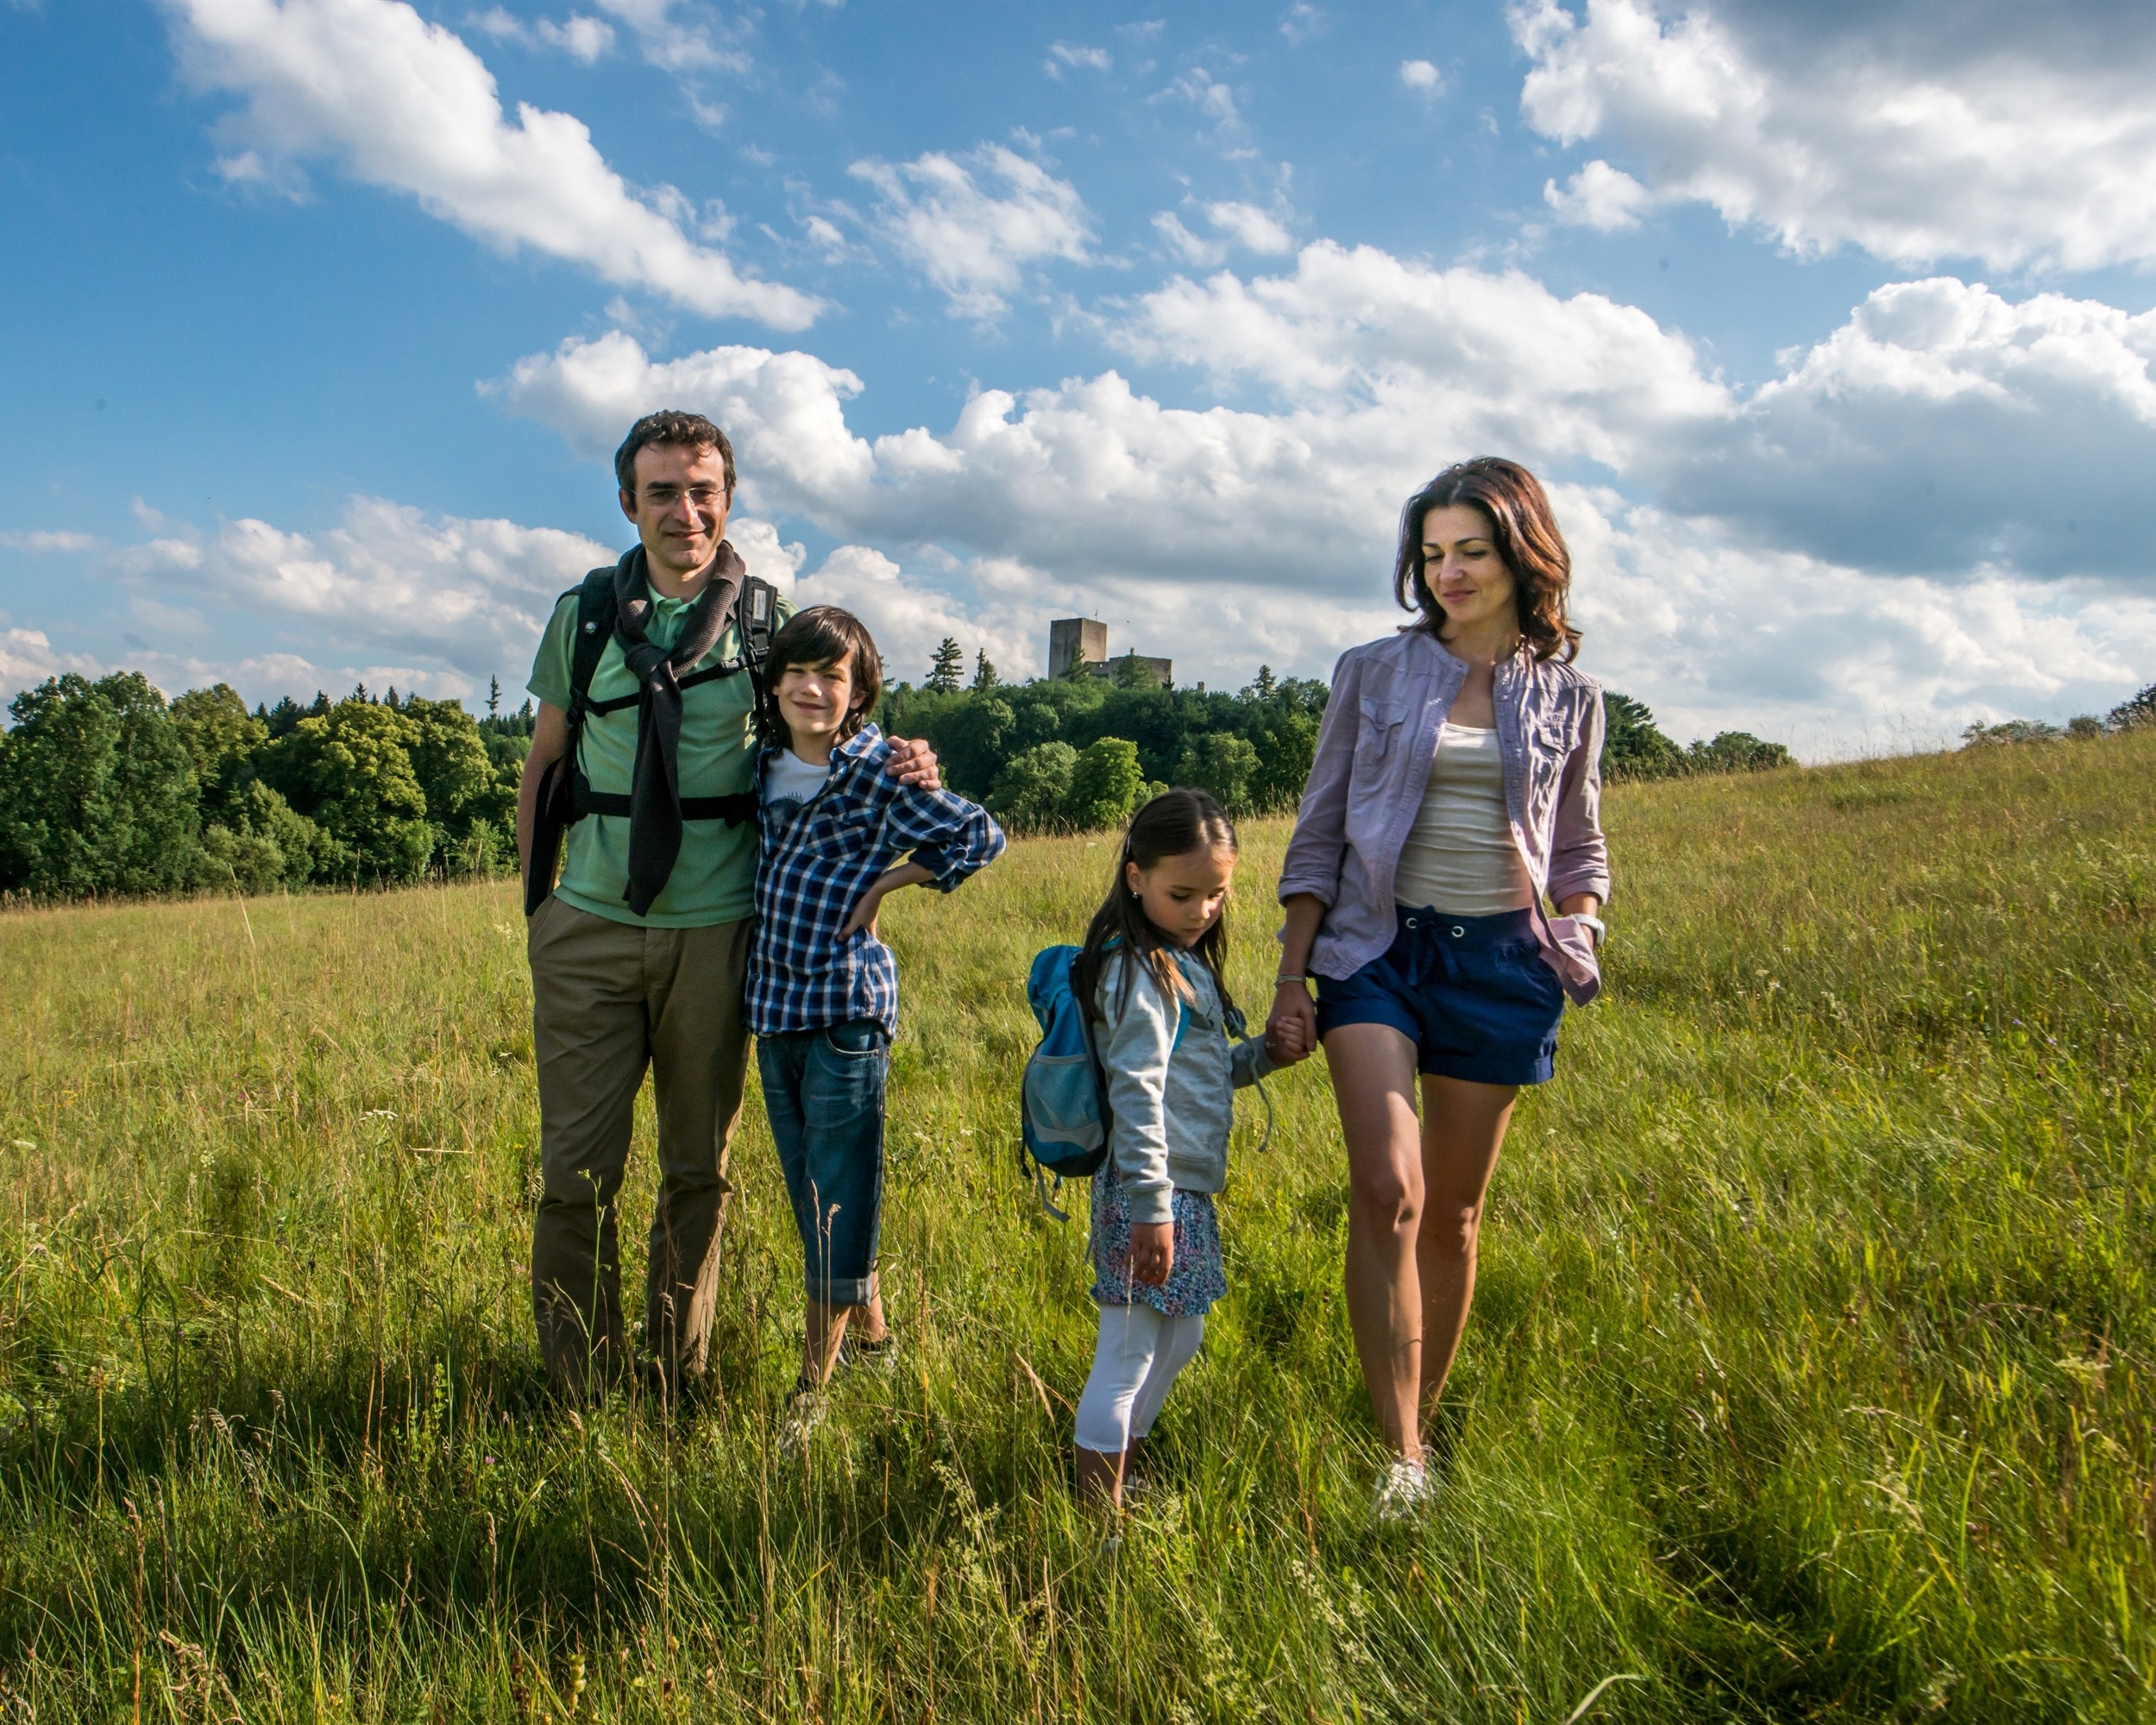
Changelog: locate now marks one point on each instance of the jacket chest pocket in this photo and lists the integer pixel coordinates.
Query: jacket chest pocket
(1380, 731)
(1551, 741)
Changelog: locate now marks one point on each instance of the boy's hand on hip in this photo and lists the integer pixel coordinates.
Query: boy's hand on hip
(1152, 1252)
(908, 873)
(913, 762)
(864, 914)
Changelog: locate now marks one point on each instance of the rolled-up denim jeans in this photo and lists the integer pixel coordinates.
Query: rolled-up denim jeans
(824, 1092)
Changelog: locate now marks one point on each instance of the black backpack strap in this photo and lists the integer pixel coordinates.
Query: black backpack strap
(757, 619)
(594, 628)
(736, 809)
(554, 812)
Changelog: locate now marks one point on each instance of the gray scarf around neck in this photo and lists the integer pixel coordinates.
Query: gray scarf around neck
(655, 789)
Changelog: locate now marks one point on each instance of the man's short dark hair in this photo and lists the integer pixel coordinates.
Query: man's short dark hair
(670, 428)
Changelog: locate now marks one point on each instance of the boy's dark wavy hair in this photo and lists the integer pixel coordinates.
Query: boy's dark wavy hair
(821, 635)
(1173, 824)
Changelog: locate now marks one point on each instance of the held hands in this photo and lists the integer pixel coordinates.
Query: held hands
(1152, 1252)
(1290, 1033)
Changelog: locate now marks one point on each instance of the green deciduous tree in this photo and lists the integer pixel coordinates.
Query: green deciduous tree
(222, 738)
(1030, 792)
(1223, 765)
(97, 791)
(1105, 781)
(2140, 711)
(251, 837)
(1736, 752)
(450, 762)
(349, 770)
(1633, 747)
(1289, 745)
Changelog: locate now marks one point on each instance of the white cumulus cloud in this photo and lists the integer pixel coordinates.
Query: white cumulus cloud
(1943, 430)
(455, 598)
(1070, 56)
(1753, 557)
(1597, 196)
(973, 243)
(396, 102)
(1251, 228)
(1915, 138)
(49, 540)
(1422, 76)
(28, 657)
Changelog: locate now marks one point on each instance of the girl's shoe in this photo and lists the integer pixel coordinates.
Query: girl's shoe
(1404, 1492)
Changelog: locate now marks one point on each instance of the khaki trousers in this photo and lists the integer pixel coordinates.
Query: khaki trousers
(608, 1000)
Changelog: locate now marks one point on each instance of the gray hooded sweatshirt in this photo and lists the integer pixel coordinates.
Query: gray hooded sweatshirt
(1174, 1102)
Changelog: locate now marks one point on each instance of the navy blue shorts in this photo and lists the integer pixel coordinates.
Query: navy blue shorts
(1471, 992)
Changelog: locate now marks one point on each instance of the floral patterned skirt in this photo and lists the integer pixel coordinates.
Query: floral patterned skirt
(1195, 1279)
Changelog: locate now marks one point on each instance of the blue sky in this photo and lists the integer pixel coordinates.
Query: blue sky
(1831, 332)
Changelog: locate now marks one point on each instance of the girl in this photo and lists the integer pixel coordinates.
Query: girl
(1457, 784)
(1150, 975)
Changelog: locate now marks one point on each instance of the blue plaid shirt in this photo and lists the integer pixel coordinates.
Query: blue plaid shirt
(816, 865)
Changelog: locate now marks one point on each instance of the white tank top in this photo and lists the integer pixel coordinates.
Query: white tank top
(1460, 855)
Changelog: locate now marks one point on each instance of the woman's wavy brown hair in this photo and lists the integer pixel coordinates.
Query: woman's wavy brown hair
(1526, 537)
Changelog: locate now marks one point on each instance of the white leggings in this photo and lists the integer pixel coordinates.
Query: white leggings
(1135, 1360)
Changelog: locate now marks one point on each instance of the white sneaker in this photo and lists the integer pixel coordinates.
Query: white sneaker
(880, 1358)
(1404, 1492)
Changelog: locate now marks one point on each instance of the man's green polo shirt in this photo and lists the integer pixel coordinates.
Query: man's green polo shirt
(714, 876)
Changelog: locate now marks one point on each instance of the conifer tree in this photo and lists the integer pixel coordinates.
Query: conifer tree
(985, 676)
(950, 664)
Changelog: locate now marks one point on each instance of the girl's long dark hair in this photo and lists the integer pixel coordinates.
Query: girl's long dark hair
(1173, 824)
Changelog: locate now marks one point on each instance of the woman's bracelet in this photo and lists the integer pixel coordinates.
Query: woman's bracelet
(1285, 977)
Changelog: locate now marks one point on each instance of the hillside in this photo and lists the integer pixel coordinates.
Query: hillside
(1810, 1374)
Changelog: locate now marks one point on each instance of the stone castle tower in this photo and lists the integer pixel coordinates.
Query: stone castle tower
(1074, 641)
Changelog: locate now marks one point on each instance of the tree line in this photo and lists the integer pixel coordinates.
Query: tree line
(107, 789)
(1077, 752)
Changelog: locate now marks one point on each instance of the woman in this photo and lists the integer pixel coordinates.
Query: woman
(1457, 784)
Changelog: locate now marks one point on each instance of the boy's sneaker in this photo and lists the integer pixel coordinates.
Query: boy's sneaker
(1404, 1492)
(880, 1356)
(806, 1407)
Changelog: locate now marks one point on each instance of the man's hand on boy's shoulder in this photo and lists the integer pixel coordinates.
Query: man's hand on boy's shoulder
(913, 762)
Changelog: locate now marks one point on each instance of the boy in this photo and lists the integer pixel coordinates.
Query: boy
(823, 990)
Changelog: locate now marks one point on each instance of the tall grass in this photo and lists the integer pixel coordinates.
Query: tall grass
(1810, 1374)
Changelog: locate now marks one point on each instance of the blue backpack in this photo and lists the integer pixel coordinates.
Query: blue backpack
(1063, 1101)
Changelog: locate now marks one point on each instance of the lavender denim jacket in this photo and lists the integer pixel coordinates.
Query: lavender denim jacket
(1374, 751)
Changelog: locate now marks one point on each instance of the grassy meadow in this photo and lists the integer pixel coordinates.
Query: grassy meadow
(1811, 1376)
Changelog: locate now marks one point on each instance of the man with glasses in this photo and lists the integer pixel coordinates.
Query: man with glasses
(639, 952)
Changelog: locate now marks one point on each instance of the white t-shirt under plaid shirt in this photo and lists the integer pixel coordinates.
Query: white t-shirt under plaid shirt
(819, 857)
